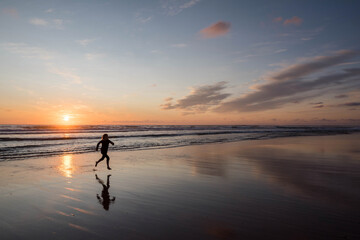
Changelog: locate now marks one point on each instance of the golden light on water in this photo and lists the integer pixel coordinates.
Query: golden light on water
(66, 166)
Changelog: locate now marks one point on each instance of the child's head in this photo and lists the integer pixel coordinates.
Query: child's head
(105, 137)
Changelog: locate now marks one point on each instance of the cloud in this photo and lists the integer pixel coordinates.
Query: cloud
(50, 10)
(277, 19)
(85, 42)
(38, 22)
(143, 16)
(280, 50)
(216, 30)
(306, 38)
(49, 23)
(93, 56)
(341, 96)
(294, 84)
(174, 7)
(58, 23)
(10, 11)
(314, 65)
(144, 19)
(293, 21)
(27, 51)
(349, 104)
(67, 74)
(200, 99)
(179, 45)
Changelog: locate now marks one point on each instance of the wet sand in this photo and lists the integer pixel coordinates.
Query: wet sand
(288, 188)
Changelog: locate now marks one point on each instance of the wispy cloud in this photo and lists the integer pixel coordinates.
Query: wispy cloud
(27, 51)
(277, 19)
(38, 22)
(143, 16)
(280, 50)
(50, 10)
(179, 45)
(58, 23)
(10, 11)
(86, 41)
(50, 23)
(174, 7)
(341, 96)
(294, 84)
(156, 51)
(216, 30)
(199, 100)
(306, 38)
(350, 104)
(293, 21)
(313, 65)
(93, 56)
(257, 51)
(66, 74)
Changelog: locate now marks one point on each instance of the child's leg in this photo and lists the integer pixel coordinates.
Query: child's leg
(102, 158)
(107, 161)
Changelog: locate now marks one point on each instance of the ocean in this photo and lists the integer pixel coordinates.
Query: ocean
(25, 141)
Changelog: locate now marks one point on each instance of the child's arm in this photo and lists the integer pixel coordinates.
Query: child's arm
(97, 146)
(111, 142)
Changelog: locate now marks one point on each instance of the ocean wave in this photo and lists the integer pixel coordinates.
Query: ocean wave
(20, 146)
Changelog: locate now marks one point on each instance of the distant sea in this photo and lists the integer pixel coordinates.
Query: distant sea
(24, 141)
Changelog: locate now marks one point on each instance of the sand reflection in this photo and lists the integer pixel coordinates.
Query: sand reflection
(326, 170)
(210, 163)
(66, 166)
(105, 198)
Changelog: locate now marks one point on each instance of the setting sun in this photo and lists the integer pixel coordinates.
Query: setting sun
(66, 118)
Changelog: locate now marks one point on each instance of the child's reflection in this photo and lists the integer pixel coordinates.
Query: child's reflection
(105, 196)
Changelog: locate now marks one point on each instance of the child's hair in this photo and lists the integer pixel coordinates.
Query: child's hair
(105, 137)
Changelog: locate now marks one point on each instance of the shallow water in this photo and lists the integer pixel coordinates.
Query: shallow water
(284, 188)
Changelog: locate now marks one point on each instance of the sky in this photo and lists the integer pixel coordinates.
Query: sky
(180, 62)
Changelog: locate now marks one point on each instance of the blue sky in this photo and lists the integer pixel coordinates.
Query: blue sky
(178, 62)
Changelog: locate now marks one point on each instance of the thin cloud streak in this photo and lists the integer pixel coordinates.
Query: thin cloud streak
(85, 42)
(179, 45)
(314, 65)
(38, 22)
(293, 21)
(173, 8)
(349, 104)
(27, 51)
(341, 96)
(57, 23)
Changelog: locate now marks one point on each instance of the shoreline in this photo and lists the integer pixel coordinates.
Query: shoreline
(180, 146)
(248, 189)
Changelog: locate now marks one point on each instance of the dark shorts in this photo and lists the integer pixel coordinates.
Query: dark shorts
(104, 155)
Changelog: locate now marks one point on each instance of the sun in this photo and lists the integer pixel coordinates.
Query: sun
(66, 118)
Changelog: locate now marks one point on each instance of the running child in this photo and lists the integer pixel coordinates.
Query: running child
(104, 149)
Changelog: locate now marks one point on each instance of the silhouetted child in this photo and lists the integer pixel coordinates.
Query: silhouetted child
(104, 149)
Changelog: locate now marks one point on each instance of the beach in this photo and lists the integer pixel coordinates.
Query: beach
(304, 187)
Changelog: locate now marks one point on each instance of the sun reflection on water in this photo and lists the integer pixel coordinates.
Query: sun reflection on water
(66, 166)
